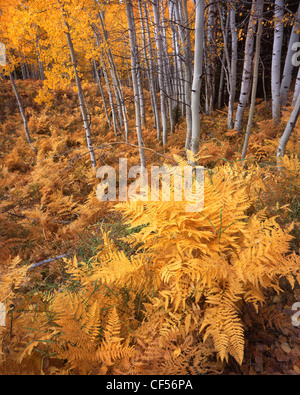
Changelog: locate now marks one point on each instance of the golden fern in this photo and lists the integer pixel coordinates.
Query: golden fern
(218, 257)
(191, 277)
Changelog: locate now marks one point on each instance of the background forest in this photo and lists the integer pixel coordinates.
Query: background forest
(141, 288)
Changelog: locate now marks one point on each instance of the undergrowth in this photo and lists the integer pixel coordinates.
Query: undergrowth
(143, 287)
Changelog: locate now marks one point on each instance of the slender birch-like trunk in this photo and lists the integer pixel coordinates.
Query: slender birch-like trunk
(225, 55)
(40, 63)
(210, 58)
(175, 63)
(247, 71)
(135, 82)
(198, 71)
(121, 107)
(23, 71)
(27, 70)
(161, 74)
(167, 71)
(288, 131)
(255, 78)
(98, 80)
(288, 67)
(233, 66)
(127, 66)
(24, 68)
(138, 72)
(107, 81)
(297, 88)
(110, 94)
(178, 67)
(21, 111)
(149, 71)
(184, 35)
(221, 82)
(81, 96)
(276, 60)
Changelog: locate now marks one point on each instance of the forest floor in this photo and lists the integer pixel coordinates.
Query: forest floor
(48, 205)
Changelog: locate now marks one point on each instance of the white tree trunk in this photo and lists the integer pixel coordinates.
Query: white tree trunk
(178, 61)
(288, 130)
(109, 92)
(21, 111)
(247, 71)
(297, 88)
(198, 71)
(161, 74)
(233, 66)
(288, 67)
(98, 80)
(167, 72)
(176, 64)
(122, 110)
(40, 63)
(23, 71)
(186, 45)
(210, 58)
(149, 70)
(255, 78)
(135, 82)
(276, 60)
(151, 67)
(224, 71)
(139, 76)
(81, 97)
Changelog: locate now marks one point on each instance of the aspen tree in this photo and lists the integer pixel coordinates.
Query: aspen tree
(288, 131)
(276, 59)
(161, 74)
(210, 58)
(167, 71)
(149, 68)
(135, 82)
(22, 112)
(224, 53)
(178, 61)
(247, 70)
(288, 67)
(40, 63)
(122, 110)
(255, 77)
(297, 88)
(198, 71)
(139, 76)
(226, 70)
(98, 80)
(81, 97)
(107, 81)
(233, 65)
(186, 45)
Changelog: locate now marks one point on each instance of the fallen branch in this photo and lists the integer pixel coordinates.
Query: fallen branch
(49, 260)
